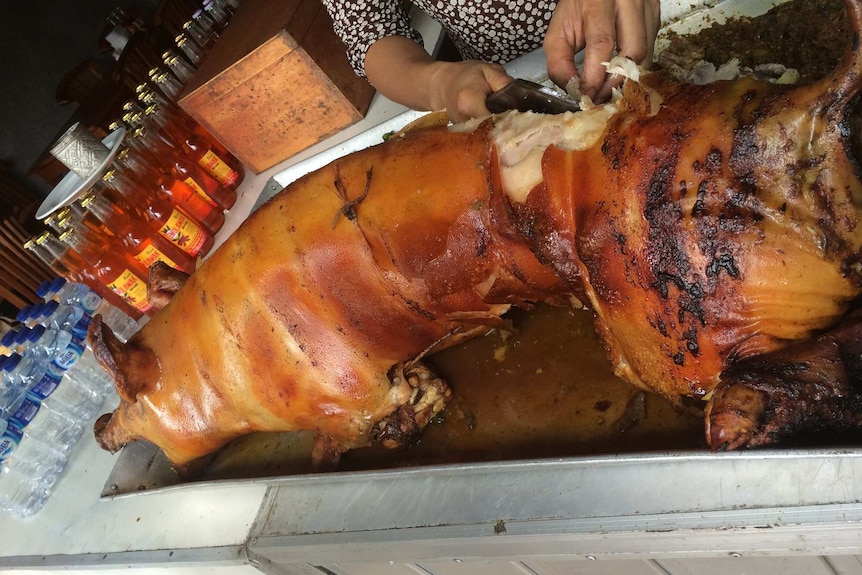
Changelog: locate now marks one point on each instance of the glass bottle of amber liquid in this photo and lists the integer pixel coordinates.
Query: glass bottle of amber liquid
(225, 168)
(103, 241)
(167, 219)
(142, 242)
(179, 193)
(63, 260)
(214, 158)
(60, 256)
(201, 181)
(177, 164)
(112, 270)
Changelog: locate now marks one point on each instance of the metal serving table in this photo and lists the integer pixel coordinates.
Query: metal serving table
(652, 513)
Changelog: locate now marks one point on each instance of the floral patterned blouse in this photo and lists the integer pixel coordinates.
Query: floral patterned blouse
(489, 30)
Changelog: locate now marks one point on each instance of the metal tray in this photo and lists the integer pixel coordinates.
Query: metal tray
(495, 423)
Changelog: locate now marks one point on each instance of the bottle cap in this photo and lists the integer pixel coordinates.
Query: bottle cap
(58, 284)
(37, 309)
(29, 334)
(11, 362)
(35, 332)
(23, 313)
(8, 339)
(49, 307)
(44, 289)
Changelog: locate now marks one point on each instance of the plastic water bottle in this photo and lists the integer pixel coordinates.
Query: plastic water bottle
(80, 295)
(34, 438)
(68, 354)
(46, 383)
(12, 388)
(44, 425)
(77, 294)
(70, 318)
(28, 470)
(18, 495)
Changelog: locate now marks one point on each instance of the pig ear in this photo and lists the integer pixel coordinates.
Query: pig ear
(162, 283)
(125, 363)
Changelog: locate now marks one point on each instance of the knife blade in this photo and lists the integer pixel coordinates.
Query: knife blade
(526, 96)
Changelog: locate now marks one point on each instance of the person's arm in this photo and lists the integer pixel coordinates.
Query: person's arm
(404, 72)
(599, 27)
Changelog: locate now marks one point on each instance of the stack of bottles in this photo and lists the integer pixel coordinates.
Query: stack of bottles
(163, 198)
(51, 389)
(204, 27)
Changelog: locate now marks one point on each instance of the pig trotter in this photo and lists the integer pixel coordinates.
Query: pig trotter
(428, 395)
(790, 394)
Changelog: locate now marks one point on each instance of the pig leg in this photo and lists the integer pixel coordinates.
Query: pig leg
(790, 394)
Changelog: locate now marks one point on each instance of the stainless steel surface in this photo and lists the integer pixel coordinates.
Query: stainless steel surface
(613, 493)
(650, 506)
(593, 486)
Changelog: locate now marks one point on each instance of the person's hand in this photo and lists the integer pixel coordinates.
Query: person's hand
(461, 88)
(600, 27)
(404, 72)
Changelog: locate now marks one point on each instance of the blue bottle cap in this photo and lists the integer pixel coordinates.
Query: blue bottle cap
(12, 362)
(23, 313)
(44, 289)
(22, 335)
(8, 338)
(49, 307)
(36, 310)
(57, 284)
(34, 333)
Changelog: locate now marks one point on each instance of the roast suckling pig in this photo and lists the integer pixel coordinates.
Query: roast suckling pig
(712, 230)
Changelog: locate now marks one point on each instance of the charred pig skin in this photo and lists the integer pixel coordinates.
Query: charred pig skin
(705, 227)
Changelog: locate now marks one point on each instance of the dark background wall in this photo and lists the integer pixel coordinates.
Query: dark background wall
(40, 40)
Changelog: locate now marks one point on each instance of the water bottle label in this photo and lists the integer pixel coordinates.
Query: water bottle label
(47, 384)
(9, 441)
(25, 414)
(69, 356)
(90, 302)
(79, 328)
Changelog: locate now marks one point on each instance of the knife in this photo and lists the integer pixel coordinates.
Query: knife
(527, 96)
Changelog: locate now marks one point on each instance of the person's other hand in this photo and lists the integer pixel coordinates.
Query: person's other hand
(599, 27)
(461, 88)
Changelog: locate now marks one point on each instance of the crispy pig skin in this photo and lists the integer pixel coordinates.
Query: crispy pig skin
(719, 228)
(295, 322)
(706, 226)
